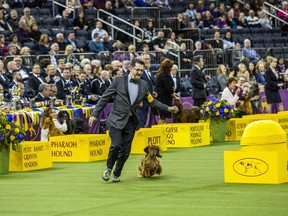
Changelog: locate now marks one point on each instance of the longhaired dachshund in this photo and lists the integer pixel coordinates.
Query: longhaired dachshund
(150, 165)
(191, 115)
(53, 131)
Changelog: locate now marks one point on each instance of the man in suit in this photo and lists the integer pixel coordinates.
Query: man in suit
(198, 81)
(43, 95)
(4, 81)
(128, 92)
(147, 76)
(35, 80)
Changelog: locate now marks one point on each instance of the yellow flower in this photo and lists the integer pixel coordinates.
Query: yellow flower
(17, 124)
(201, 111)
(207, 109)
(16, 130)
(226, 110)
(12, 137)
(217, 113)
(8, 127)
(209, 103)
(232, 111)
(218, 105)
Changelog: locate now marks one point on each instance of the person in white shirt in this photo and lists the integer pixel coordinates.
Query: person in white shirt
(47, 114)
(231, 92)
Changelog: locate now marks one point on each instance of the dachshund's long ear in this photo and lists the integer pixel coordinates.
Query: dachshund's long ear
(158, 152)
(146, 149)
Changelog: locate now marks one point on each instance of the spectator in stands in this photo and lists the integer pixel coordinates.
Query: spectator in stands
(85, 89)
(43, 93)
(4, 81)
(272, 86)
(15, 44)
(117, 72)
(53, 90)
(60, 67)
(228, 42)
(11, 66)
(54, 51)
(99, 29)
(87, 69)
(121, 54)
(4, 25)
(44, 45)
(25, 72)
(16, 78)
(71, 40)
(100, 85)
(96, 45)
(199, 21)
(108, 8)
(34, 32)
(185, 56)
(64, 20)
(191, 11)
(74, 4)
(149, 32)
(61, 42)
(27, 17)
(132, 51)
(208, 20)
(13, 19)
(24, 100)
(80, 22)
(263, 20)
(198, 46)
(84, 62)
(51, 76)
(242, 22)
(159, 44)
(180, 89)
(231, 21)
(69, 57)
(27, 58)
(22, 33)
(235, 10)
(65, 85)
(243, 72)
(260, 72)
(201, 7)
(252, 72)
(88, 4)
(221, 22)
(252, 20)
(35, 79)
(250, 53)
(282, 64)
(283, 10)
(222, 76)
(75, 72)
(3, 46)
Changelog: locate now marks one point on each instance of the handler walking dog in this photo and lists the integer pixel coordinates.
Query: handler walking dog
(128, 92)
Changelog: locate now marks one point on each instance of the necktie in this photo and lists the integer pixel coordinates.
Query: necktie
(134, 81)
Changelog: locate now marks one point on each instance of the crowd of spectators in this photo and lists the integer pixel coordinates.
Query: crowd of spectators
(65, 68)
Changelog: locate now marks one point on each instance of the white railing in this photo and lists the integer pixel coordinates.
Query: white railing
(61, 5)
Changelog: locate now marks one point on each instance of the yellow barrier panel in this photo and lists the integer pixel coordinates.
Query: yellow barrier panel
(263, 156)
(186, 134)
(283, 121)
(80, 147)
(31, 156)
(148, 136)
(235, 128)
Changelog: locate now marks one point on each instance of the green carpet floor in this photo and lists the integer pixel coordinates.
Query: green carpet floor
(192, 183)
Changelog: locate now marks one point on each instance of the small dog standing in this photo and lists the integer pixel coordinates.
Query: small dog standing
(191, 115)
(150, 165)
(75, 125)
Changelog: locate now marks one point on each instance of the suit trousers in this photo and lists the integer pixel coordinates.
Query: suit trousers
(120, 148)
(199, 101)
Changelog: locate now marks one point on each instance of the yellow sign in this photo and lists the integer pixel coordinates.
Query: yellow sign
(80, 147)
(31, 156)
(148, 136)
(235, 128)
(261, 167)
(186, 134)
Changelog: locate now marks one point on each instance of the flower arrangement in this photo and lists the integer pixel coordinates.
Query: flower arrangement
(217, 110)
(10, 132)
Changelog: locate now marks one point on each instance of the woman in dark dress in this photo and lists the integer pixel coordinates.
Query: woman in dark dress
(273, 82)
(164, 87)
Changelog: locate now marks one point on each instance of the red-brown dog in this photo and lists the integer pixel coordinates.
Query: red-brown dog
(53, 131)
(191, 115)
(150, 165)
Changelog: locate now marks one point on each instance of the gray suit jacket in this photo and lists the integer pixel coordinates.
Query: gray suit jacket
(122, 109)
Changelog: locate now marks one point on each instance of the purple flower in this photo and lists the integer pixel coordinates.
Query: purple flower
(9, 117)
(20, 137)
(1, 136)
